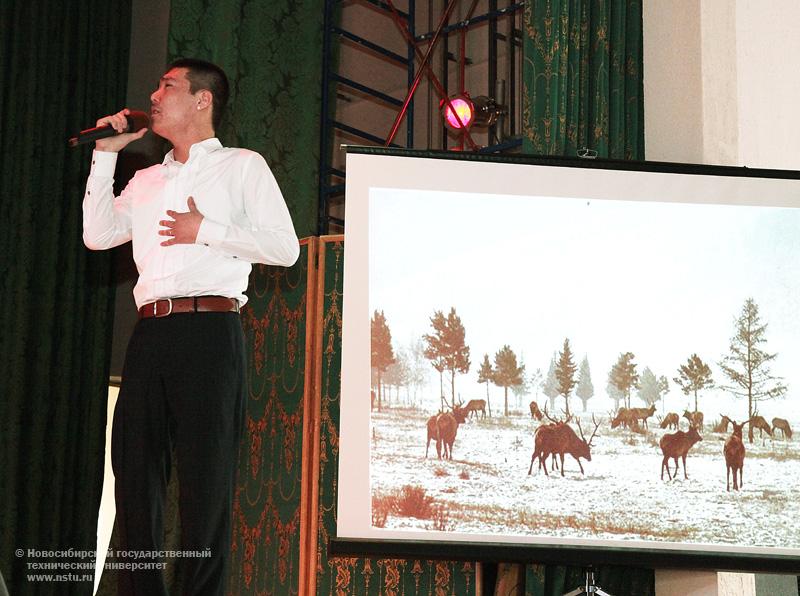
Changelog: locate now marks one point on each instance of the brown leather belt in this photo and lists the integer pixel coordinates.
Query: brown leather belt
(171, 306)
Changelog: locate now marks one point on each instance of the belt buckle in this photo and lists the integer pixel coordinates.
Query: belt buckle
(155, 308)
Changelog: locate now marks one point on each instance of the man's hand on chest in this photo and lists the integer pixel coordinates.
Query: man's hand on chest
(183, 227)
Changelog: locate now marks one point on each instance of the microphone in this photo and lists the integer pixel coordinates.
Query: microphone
(136, 121)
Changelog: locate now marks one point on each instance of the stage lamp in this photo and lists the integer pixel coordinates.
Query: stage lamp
(463, 106)
(481, 111)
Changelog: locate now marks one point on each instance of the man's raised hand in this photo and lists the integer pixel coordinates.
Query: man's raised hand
(119, 123)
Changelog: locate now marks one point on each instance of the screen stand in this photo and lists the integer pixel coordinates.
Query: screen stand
(589, 588)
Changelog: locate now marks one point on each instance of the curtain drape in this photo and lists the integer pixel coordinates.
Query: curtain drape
(583, 78)
(63, 64)
(272, 53)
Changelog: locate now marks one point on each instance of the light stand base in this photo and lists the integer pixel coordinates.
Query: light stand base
(589, 588)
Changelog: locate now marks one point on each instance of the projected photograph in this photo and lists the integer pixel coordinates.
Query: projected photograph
(583, 370)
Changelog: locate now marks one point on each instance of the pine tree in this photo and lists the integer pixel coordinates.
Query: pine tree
(550, 385)
(694, 376)
(623, 376)
(506, 371)
(524, 388)
(651, 389)
(747, 365)
(381, 346)
(485, 375)
(585, 389)
(565, 374)
(447, 348)
(614, 393)
(434, 350)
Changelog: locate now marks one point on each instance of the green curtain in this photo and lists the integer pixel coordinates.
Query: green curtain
(583, 78)
(272, 53)
(63, 65)
(267, 503)
(356, 575)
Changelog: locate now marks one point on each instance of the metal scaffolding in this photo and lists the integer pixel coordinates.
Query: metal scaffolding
(419, 63)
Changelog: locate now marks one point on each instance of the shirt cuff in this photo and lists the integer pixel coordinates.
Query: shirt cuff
(211, 233)
(103, 164)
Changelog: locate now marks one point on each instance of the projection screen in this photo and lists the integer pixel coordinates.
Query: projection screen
(648, 311)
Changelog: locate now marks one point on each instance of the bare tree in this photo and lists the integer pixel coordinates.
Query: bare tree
(398, 374)
(417, 366)
(536, 382)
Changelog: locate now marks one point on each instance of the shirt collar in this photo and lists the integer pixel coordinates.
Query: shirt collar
(202, 148)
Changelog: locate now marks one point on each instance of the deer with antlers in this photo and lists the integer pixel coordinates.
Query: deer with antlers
(781, 424)
(443, 428)
(734, 452)
(642, 414)
(677, 445)
(558, 438)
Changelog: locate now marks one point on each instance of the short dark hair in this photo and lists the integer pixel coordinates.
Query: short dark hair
(205, 75)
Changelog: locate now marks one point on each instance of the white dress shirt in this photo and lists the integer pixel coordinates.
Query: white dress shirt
(245, 221)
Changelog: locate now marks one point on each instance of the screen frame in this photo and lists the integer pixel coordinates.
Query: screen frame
(691, 558)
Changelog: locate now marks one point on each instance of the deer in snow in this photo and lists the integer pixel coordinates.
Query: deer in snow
(536, 413)
(555, 422)
(642, 414)
(781, 424)
(670, 421)
(433, 432)
(676, 445)
(626, 418)
(761, 424)
(443, 428)
(474, 406)
(734, 452)
(695, 419)
(559, 439)
(722, 427)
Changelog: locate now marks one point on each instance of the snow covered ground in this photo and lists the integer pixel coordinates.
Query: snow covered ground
(486, 487)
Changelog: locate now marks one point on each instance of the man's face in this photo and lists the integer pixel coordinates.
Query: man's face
(172, 105)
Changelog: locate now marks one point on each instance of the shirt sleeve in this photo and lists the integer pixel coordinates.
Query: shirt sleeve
(106, 218)
(270, 237)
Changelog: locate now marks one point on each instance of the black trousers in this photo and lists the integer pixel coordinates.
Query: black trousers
(182, 387)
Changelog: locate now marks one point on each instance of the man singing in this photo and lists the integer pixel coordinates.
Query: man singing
(197, 221)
